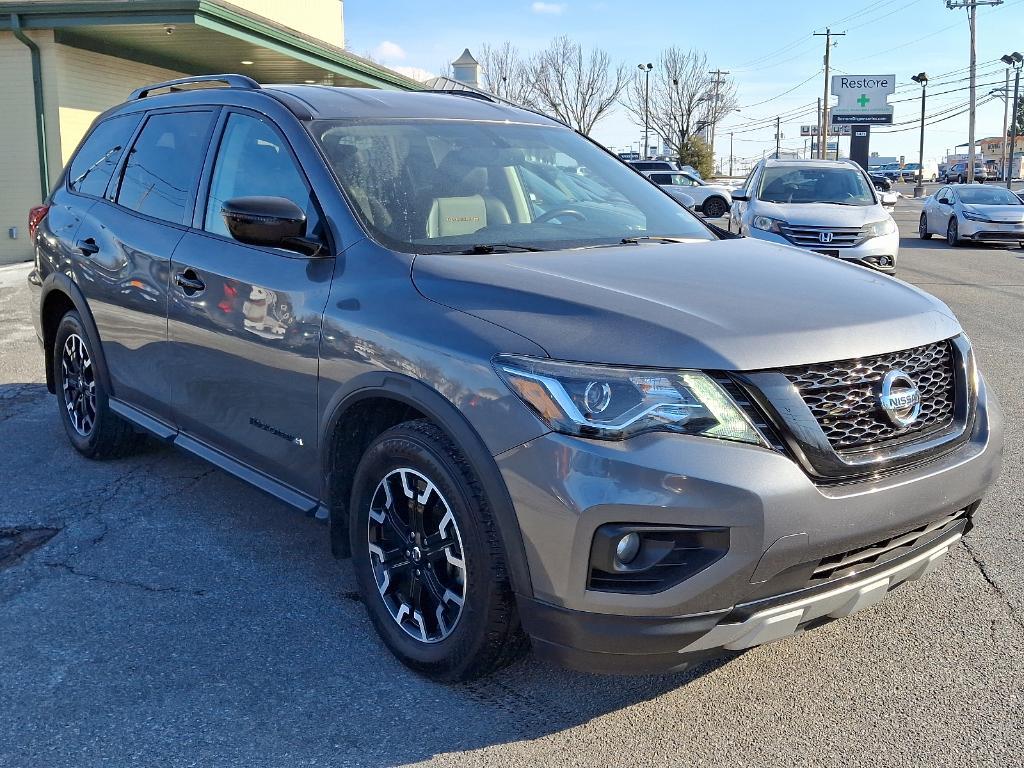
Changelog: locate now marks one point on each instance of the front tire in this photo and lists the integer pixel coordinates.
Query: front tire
(95, 430)
(922, 228)
(428, 558)
(953, 233)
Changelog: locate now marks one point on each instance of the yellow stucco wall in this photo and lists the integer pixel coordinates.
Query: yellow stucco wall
(321, 19)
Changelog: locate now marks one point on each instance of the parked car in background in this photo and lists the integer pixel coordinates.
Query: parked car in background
(713, 200)
(968, 212)
(931, 171)
(892, 171)
(993, 170)
(957, 173)
(654, 165)
(538, 409)
(826, 206)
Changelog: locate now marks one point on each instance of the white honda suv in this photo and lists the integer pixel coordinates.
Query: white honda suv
(827, 206)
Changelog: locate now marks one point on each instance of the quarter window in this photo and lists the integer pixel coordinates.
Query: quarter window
(164, 164)
(253, 161)
(94, 164)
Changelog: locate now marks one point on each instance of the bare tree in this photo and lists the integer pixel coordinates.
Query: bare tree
(578, 88)
(682, 97)
(505, 73)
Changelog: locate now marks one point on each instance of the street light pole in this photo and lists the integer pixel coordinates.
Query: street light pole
(1006, 111)
(921, 79)
(646, 69)
(1015, 60)
(730, 153)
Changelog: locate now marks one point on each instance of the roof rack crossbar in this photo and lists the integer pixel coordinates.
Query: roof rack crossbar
(232, 81)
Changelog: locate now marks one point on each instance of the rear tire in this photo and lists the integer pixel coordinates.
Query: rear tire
(95, 430)
(428, 561)
(922, 228)
(714, 207)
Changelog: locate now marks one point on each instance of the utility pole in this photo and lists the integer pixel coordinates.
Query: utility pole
(1016, 61)
(1006, 111)
(972, 18)
(819, 130)
(730, 153)
(778, 136)
(718, 73)
(922, 80)
(828, 34)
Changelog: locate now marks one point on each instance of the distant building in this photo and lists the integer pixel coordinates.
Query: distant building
(466, 69)
(63, 62)
(993, 147)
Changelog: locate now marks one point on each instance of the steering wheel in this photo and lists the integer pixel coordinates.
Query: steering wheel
(557, 213)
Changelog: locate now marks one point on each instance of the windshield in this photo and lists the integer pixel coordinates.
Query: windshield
(454, 186)
(980, 195)
(821, 184)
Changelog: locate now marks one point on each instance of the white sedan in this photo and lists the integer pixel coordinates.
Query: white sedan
(713, 200)
(974, 212)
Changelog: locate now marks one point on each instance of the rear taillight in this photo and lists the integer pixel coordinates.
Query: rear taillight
(35, 216)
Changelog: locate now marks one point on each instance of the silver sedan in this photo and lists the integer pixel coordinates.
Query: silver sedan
(973, 212)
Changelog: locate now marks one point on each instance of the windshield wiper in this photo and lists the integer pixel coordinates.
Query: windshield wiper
(483, 248)
(654, 239)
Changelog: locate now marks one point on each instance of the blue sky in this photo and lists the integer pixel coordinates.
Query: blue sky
(768, 48)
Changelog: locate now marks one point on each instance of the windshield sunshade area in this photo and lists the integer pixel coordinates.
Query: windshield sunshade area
(837, 185)
(981, 195)
(435, 186)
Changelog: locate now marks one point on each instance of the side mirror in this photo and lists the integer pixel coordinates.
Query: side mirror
(889, 198)
(270, 221)
(741, 196)
(943, 201)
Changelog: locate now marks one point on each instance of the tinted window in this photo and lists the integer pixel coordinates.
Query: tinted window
(164, 164)
(95, 161)
(980, 195)
(252, 160)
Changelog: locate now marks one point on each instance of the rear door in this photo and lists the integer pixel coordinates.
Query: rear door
(125, 242)
(244, 321)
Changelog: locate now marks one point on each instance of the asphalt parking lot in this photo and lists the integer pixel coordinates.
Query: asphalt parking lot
(156, 611)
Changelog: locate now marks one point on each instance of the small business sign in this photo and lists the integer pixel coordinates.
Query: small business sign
(812, 130)
(862, 99)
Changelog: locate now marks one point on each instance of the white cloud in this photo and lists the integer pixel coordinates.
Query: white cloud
(388, 51)
(418, 74)
(550, 8)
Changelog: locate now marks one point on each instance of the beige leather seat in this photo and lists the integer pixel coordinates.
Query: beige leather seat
(461, 206)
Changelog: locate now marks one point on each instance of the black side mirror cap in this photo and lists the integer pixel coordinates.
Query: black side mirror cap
(275, 222)
(741, 196)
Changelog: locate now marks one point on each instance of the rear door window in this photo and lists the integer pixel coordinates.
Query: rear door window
(162, 167)
(95, 161)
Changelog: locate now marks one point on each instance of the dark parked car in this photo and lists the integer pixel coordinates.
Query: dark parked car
(536, 406)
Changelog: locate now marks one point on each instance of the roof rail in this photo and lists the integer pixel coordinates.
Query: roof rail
(232, 81)
(466, 93)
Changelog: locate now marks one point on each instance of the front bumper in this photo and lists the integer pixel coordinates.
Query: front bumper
(983, 231)
(781, 526)
(878, 253)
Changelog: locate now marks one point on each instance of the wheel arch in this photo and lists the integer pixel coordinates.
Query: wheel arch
(374, 402)
(714, 198)
(59, 295)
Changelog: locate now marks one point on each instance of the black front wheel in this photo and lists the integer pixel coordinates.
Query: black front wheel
(94, 430)
(428, 559)
(715, 207)
(922, 228)
(953, 233)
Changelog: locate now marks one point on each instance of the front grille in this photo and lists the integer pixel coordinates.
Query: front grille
(810, 237)
(845, 563)
(844, 396)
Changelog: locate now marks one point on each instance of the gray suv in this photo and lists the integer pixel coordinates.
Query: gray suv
(536, 405)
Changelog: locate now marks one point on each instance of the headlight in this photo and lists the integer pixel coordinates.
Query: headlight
(767, 224)
(611, 403)
(884, 226)
(972, 216)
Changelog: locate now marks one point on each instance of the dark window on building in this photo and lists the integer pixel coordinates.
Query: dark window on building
(93, 165)
(164, 164)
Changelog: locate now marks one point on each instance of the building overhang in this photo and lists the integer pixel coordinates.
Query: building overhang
(200, 37)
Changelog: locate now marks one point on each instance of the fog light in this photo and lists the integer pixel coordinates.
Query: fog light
(884, 261)
(628, 548)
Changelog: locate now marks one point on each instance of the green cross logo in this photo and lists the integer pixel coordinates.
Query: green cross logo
(863, 100)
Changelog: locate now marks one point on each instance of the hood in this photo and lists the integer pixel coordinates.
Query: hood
(1013, 214)
(821, 214)
(728, 304)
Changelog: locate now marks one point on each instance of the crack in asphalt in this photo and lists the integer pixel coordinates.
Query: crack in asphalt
(983, 570)
(126, 582)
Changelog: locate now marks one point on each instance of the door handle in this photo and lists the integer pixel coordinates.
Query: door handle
(88, 247)
(189, 282)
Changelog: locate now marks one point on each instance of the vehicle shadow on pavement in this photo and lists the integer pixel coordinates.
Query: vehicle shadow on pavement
(173, 611)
